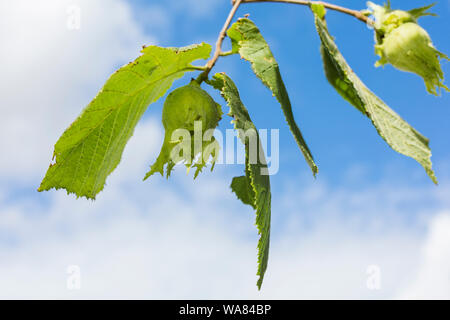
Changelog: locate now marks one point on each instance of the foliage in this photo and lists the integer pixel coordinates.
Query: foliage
(390, 126)
(406, 45)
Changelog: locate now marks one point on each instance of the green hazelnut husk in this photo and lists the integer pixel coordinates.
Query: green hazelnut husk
(403, 43)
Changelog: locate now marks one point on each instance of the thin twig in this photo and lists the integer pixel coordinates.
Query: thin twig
(357, 14)
(204, 75)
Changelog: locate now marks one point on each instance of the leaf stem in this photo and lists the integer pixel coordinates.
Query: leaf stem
(357, 14)
(204, 75)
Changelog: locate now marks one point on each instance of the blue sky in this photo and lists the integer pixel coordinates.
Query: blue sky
(369, 206)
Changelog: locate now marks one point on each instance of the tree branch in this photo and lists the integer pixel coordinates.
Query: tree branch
(357, 14)
(218, 52)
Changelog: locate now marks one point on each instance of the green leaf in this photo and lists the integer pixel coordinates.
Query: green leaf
(390, 126)
(241, 186)
(91, 148)
(339, 81)
(256, 178)
(248, 41)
